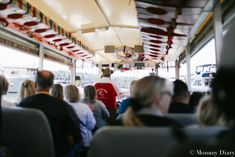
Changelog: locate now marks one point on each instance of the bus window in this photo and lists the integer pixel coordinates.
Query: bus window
(61, 71)
(16, 69)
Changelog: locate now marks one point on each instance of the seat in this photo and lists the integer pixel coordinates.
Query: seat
(26, 133)
(184, 119)
(142, 142)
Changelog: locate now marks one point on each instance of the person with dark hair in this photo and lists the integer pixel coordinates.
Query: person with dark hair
(62, 118)
(57, 91)
(223, 97)
(195, 98)
(100, 111)
(180, 99)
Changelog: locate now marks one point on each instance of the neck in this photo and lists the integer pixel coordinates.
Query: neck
(42, 92)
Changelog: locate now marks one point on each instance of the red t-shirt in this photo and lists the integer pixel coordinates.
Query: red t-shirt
(107, 94)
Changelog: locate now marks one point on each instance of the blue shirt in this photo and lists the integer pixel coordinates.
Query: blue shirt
(124, 105)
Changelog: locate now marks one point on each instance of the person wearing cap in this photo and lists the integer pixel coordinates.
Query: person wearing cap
(107, 92)
(106, 78)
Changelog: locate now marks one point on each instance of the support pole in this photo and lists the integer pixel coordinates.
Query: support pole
(73, 71)
(218, 30)
(188, 49)
(41, 56)
(177, 70)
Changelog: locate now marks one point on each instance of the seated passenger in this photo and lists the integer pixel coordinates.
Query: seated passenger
(57, 91)
(223, 96)
(87, 120)
(180, 99)
(126, 102)
(62, 118)
(195, 98)
(4, 88)
(27, 89)
(150, 101)
(100, 112)
(208, 114)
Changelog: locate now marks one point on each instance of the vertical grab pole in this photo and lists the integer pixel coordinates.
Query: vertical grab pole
(177, 69)
(41, 56)
(218, 30)
(188, 66)
(73, 71)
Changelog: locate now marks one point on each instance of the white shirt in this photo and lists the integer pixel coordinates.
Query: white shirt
(87, 120)
(108, 80)
(7, 104)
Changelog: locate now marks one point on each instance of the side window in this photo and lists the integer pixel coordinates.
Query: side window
(199, 82)
(196, 83)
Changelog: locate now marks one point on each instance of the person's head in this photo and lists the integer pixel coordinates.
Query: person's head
(132, 87)
(223, 91)
(57, 91)
(181, 93)
(27, 89)
(223, 86)
(208, 114)
(195, 98)
(106, 72)
(90, 93)
(149, 91)
(72, 93)
(3, 85)
(44, 80)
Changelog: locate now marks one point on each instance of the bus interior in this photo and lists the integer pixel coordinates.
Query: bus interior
(79, 41)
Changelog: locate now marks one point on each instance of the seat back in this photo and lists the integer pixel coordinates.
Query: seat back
(184, 119)
(142, 142)
(107, 94)
(26, 133)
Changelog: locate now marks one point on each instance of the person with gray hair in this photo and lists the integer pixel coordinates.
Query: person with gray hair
(149, 104)
(3, 91)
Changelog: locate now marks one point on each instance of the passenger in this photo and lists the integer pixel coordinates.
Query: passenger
(208, 114)
(100, 112)
(180, 99)
(57, 91)
(106, 78)
(83, 112)
(62, 118)
(4, 88)
(126, 102)
(195, 98)
(150, 101)
(107, 92)
(223, 96)
(27, 89)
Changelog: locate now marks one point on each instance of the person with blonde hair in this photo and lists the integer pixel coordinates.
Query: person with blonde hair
(208, 114)
(3, 91)
(27, 89)
(150, 101)
(83, 112)
(57, 91)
